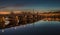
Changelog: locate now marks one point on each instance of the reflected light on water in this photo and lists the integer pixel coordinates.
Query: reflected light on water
(15, 28)
(2, 30)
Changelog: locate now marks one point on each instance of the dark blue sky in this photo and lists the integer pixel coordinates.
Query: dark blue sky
(30, 4)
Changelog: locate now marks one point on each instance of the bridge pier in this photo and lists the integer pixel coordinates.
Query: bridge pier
(3, 23)
(16, 20)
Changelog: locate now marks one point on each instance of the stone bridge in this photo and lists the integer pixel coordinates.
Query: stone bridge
(11, 20)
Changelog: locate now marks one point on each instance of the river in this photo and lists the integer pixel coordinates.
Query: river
(41, 27)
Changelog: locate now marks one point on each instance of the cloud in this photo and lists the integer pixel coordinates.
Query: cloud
(14, 5)
(2, 7)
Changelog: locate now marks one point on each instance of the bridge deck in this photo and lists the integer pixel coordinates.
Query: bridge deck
(18, 19)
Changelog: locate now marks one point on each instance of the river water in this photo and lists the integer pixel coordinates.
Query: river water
(41, 27)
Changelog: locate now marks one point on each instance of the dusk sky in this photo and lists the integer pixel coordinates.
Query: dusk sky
(30, 4)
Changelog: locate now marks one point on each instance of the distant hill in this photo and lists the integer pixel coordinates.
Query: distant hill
(54, 11)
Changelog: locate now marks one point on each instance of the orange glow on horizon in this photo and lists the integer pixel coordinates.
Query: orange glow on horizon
(4, 12)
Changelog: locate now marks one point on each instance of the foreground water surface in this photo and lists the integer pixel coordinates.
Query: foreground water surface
(40, 27)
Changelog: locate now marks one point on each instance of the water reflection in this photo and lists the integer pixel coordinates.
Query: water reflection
(41, 23)
(2, 30)
(34, 28)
